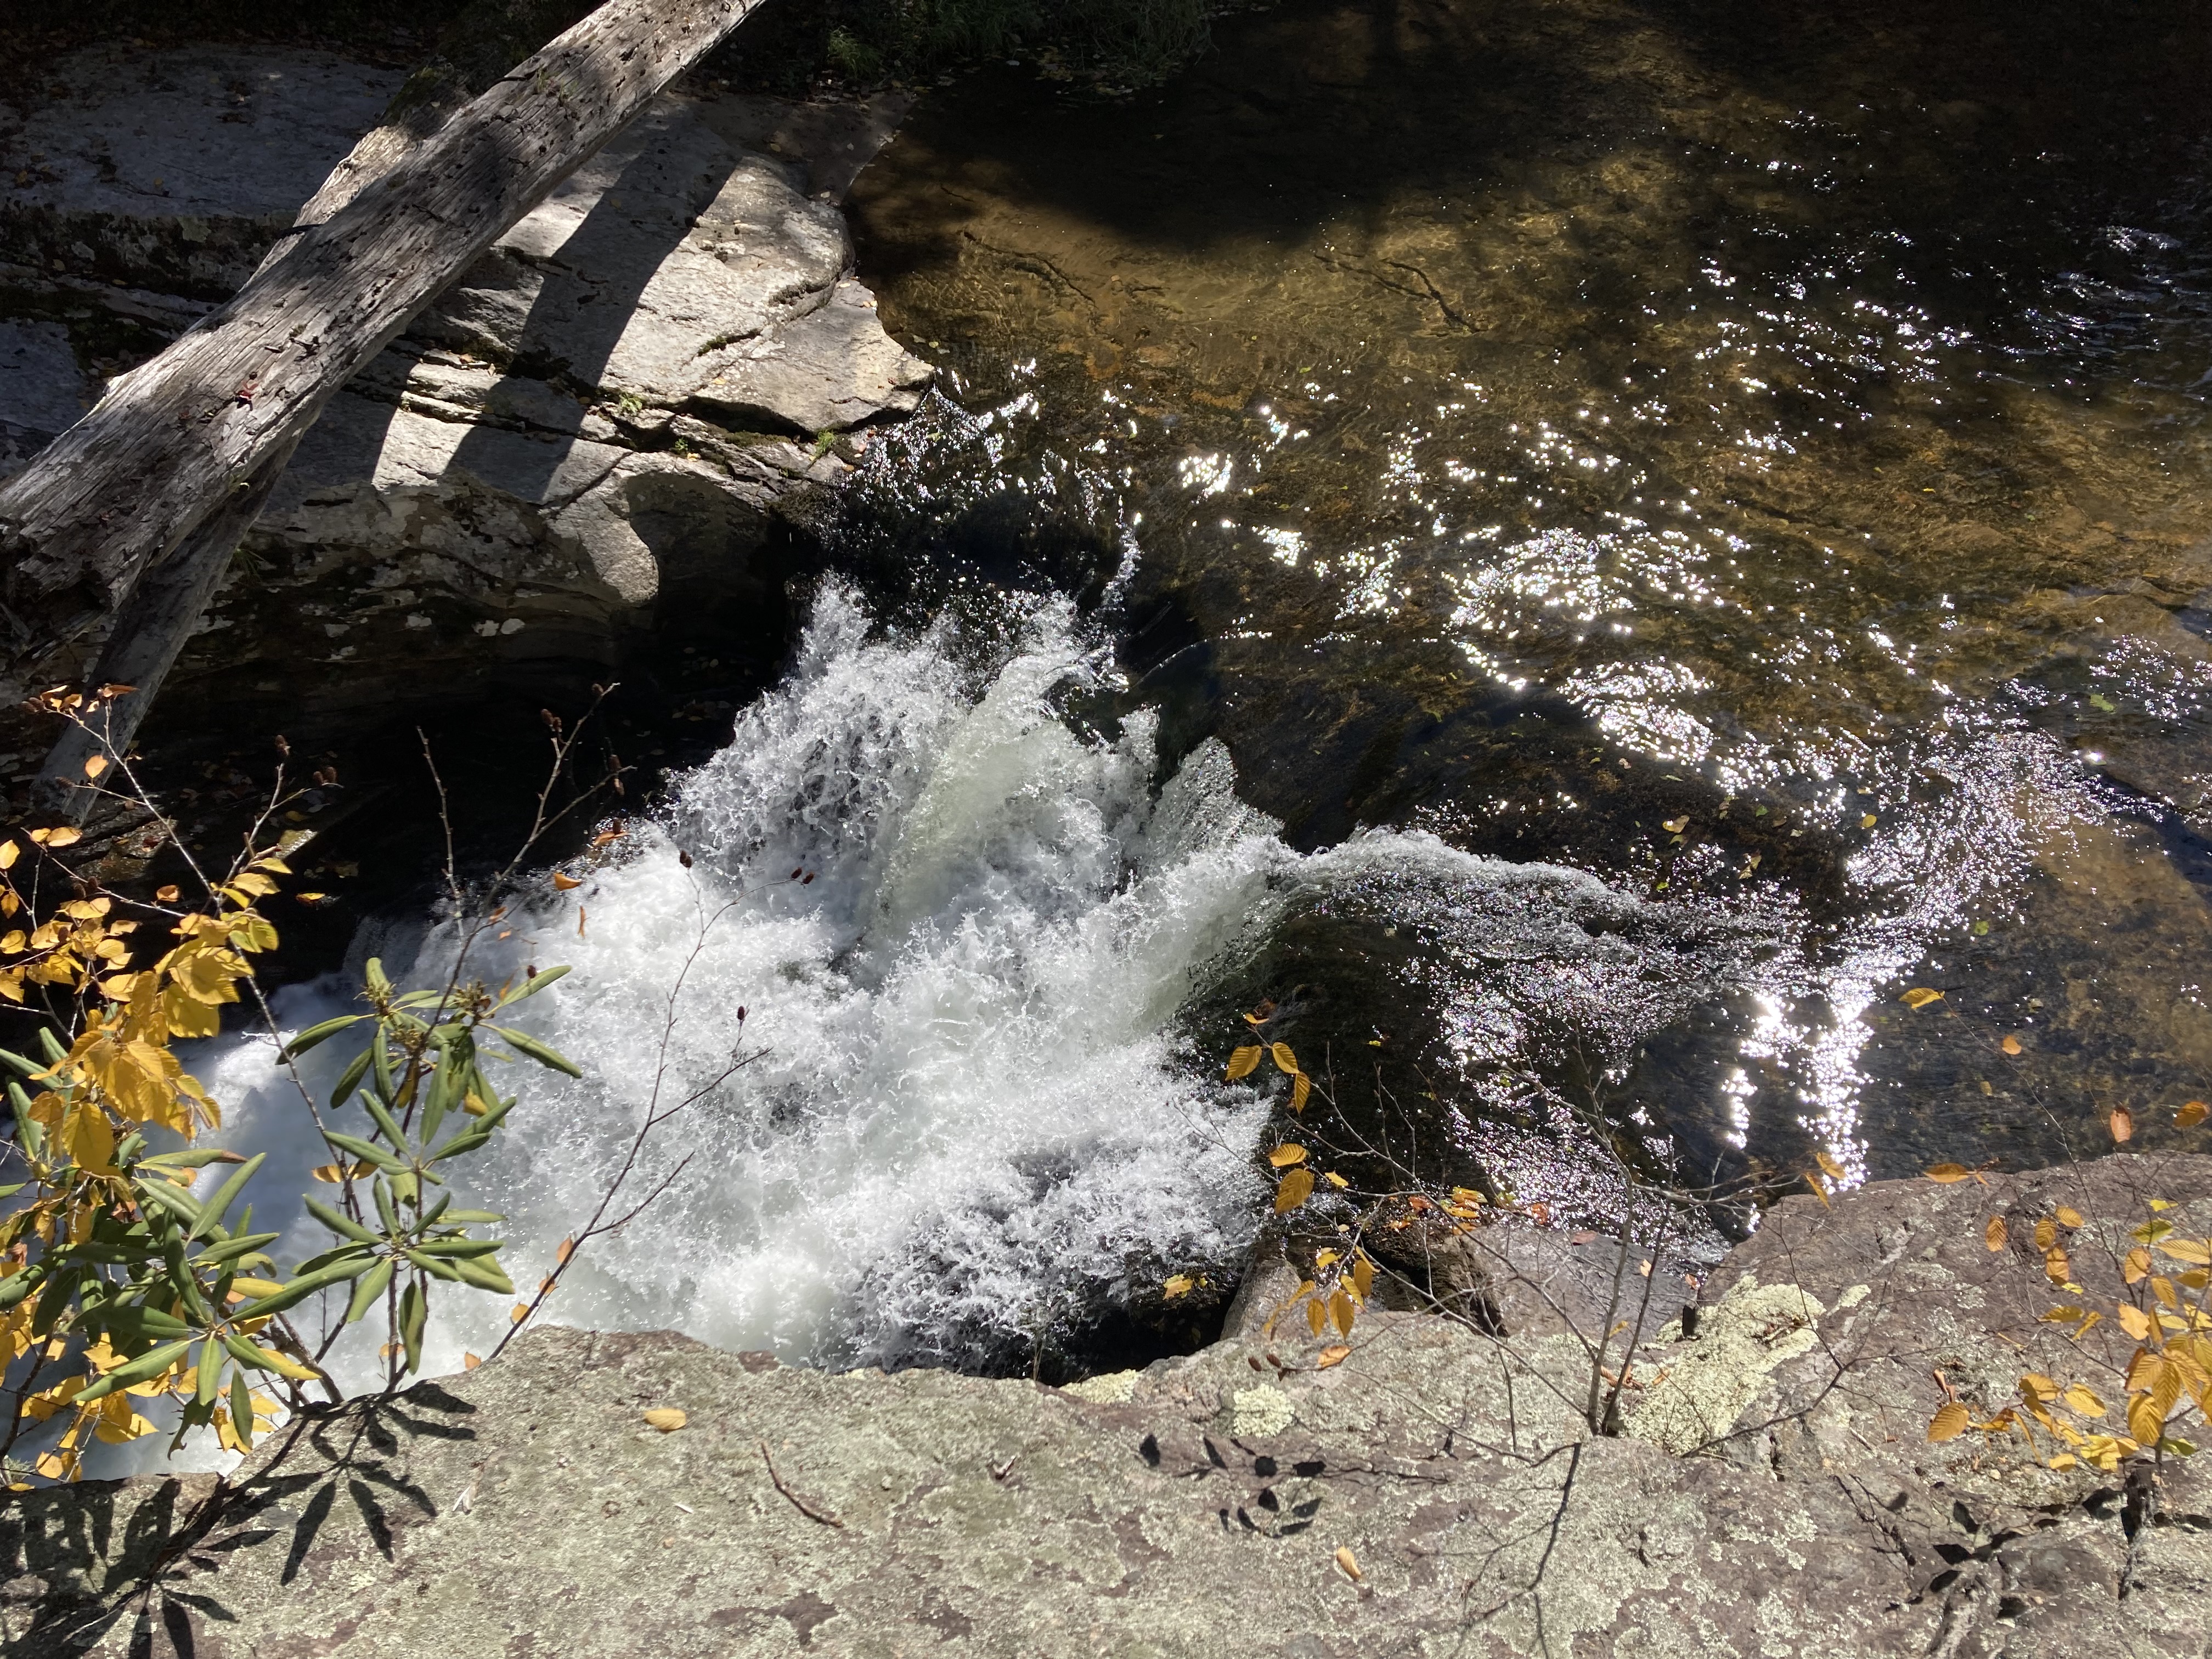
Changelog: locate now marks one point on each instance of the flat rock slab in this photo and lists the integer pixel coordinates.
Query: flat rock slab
(1435, 1493)
(174, 169)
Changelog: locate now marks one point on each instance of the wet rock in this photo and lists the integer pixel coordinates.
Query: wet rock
(591, 433)
(1201, 1506)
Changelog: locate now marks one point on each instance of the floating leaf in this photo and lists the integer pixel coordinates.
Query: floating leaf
(2191, 1115)
(1920, 996)
(2122, 1122)
(666, 1418)
(1335, 1354)
(1242, 1062)
(1948, 1173)
(1949, 1423)
(1868, 820)
(1178, 1285)
(2011, 1045)
(564, 883)
(1349, 1563)
(1295, 1189)
(1288, 1153)
(1674, 826)
(1994, 1234)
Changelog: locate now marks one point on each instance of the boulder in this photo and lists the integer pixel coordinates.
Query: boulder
(595, 431)
(1435, 1491)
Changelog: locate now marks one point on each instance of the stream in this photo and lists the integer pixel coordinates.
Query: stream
(1580, 551)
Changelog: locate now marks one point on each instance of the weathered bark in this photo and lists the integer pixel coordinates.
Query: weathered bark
(151, 627)
(174, 439)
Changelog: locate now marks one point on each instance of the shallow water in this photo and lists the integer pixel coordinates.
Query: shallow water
(1540, 426)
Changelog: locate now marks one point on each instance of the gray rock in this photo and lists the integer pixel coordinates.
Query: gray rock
(1209, 1504)
(600, 408)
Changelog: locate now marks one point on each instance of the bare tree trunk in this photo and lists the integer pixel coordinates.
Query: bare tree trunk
(153, 623)
(174, 439)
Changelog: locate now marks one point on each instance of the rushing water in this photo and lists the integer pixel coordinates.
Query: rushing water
(1581, 551)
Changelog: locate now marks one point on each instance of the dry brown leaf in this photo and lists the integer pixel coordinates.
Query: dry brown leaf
(470, 1361)
(2122, 1123)
(1349, 1563)
(666, 1418)
(1335, 1354)
(567, 1249)
(1920, 996)
(2011, 1045)
(563, 883)
(2191, 1115)
(1949, 1423)
(1994, 1234)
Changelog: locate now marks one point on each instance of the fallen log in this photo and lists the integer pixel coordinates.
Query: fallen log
(175, 439)
(150, 628)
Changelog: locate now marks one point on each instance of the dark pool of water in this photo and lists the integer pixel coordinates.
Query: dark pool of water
(1755, 453)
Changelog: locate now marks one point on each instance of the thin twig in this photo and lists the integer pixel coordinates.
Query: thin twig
(798, 1503)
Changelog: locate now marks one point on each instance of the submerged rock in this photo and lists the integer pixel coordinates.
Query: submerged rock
(1436, 1492)
(597, 428)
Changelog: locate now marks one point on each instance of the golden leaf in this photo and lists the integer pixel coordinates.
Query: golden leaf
(1948, 1173)
(167, 894)
(1349, 1563)
(1284, 1059)
(563, 883)
(518, 1313)
(2046, 1233)
(2011, 1045)
(2068, 1216)
(1819, 1191)
(2064, 1461)
(1335, 1354)
(10, 852)
(1288, 1153)
(2191, 1115)
(666, 1418)
(2191, 1250)
(1301, 1086)
(335, 1173)
(1835, 1171)
(1868, 820)
(1316, 1315)
(2084, 1400)
(67, 836)
(1295, 1189)
(1335, 1180)
(94, 765)
(1674, 826)
(2037, 1387)
(470, 1361)
(568, 1247)
(2136, 1267)
(2134, 1320)
(1243, 1061)
(1949, 1423)
(2057, 1266)
(1920, 996)
(1178, 1285)
(1341, 1308)
(2122, 1122)
(2146, 1419)
(1994, 1234)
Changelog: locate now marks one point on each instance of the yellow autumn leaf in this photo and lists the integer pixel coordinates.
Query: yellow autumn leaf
(1341, 1310)
(2191, 1250)
(1317, 1314)
(1243, 1061)
(2046, 1233)
(1868, 820)
(1295, 1189)
(1335, 1180)
(1284, 1059)
(470, 1361)
(1288, 1153)
(2038, 1388)
(2134, 1320)
(2191, 1115)
(67, 836)
(1349, 1563)
(334, 1173)
(2135, 1267)
(1948, 1173)
(666, 1418)
(2067, 1216)
(564, 883)
(1835, 1171)
(1994, 1234)
(1178, 1285)
(2084, 1400)
(518, 1313)
(1949, 1423)
(1674, 826)
(1920, 996)
(1301, 1086)
(2146, 1419)
(1335, 1354)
